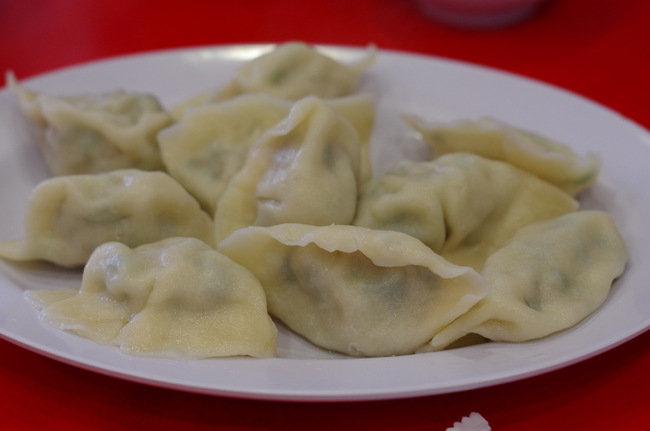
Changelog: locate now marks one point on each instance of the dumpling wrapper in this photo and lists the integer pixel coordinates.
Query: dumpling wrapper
(209, 144)
(462, 205)
(292, 70)
(177, 298)
(548, 277)
(304, 170)
(69, 216)
(354, 290)
(95, 133)
(550, 160)
(359, 110)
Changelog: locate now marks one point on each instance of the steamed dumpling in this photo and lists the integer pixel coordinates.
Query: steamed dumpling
(549, 160)
(95, 133)
(359, 110)
(461, 205)
(69, 216)
(295, 70)
(174, 298)
(355, 290)
(547, 278)
(304, 170)
(209, 145)
(292, 71)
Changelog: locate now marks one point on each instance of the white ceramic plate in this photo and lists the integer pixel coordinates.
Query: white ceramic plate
(430, 87)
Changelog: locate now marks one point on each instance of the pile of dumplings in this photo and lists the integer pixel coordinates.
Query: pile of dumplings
(201, 227)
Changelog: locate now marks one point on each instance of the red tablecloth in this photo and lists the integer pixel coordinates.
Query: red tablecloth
(599, 49)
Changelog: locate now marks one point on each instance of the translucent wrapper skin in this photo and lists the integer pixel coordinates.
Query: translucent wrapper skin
(304, 170)
(550, 160)
(69, 216)
(94, 133)
(292, 71)
(208, 146)
(548, 277)
(462, 205)
(176, 298)
(355, 290)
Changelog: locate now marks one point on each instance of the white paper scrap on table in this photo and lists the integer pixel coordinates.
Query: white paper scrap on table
(473, 422)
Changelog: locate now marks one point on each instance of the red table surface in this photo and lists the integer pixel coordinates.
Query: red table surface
(598, 49)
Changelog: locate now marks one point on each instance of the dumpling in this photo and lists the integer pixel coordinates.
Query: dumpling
(95, 133)
(547, 278)
(461, 205)
(304, 170)
(209, 145)
(175, 298)
(292, 70)
(359, 110)
(69, 216)
(549, 160)
(355, 290)
(295, 70)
